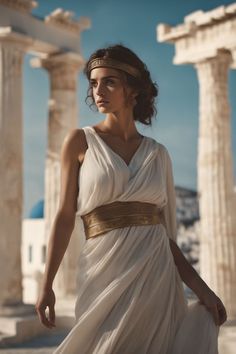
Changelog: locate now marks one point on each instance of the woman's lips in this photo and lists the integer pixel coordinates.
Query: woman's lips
(101, 103)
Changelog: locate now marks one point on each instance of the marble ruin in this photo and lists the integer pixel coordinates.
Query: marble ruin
(207, 40)
(55, 42)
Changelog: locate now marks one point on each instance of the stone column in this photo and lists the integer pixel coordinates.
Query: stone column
(11, 171)
(215, 180)
(63, 70)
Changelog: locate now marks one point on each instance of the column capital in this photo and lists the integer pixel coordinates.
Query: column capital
(13, 39)
(221, 57)
(12, 51)
(212, 75)
(213, 71)
(63, 68)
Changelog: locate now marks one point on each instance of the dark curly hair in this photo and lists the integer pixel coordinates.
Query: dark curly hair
(145, 108)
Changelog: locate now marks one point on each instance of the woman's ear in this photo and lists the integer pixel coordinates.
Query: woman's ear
(135, 93)
(131, 95)
(133, 100)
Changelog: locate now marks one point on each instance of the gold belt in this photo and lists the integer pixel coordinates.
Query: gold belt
(119, 214)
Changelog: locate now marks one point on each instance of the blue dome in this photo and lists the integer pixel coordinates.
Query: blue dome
(37, 211)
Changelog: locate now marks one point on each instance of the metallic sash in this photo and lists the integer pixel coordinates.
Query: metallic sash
(119, 214)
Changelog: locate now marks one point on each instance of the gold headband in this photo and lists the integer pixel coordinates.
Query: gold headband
(115, 64)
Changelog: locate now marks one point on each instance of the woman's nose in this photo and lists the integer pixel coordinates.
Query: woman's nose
(99, 89)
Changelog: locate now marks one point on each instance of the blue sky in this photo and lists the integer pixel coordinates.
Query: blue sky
(133, 23)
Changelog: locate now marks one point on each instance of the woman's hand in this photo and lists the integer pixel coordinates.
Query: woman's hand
(46, 299)
(214, 305)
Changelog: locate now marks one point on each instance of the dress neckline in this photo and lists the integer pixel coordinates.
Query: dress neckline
(115, 153)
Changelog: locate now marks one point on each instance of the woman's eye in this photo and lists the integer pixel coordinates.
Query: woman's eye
(109, 81)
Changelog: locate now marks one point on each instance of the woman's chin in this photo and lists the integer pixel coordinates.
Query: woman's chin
(103, 109)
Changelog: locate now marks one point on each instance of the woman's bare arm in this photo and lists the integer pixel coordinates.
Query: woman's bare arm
(193, 280)
(187, 273)
(63, 224)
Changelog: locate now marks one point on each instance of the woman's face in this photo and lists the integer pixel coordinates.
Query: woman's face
(108, 89)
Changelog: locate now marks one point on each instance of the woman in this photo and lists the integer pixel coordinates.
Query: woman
(130, 292)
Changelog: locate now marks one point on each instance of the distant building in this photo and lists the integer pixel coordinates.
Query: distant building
(187, 206)
(33, 251)
(187, 211)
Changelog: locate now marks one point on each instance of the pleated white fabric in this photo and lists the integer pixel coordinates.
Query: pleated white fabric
(130, 295)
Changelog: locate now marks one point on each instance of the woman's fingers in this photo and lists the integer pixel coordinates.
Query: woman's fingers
(46, 301)
(42, 316)
(52, 315)
(218, 312)
(222, 312)
(41, 311)
(215, 306)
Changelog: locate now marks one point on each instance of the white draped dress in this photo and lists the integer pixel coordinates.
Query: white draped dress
(130, 295)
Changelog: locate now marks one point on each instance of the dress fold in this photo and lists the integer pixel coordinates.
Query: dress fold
(130, 295)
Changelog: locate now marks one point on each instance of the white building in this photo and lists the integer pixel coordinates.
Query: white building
(33, 252)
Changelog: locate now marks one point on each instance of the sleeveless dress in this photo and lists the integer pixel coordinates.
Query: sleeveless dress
(130, 295)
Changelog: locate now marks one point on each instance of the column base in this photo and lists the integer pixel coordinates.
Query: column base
(227, 338)
(18, 309)
(20, 323)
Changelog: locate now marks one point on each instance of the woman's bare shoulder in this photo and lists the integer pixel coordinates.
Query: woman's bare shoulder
(75, 144)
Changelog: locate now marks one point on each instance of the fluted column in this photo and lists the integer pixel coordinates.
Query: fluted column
(215, 180)
(11, 173)
(63, 71)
